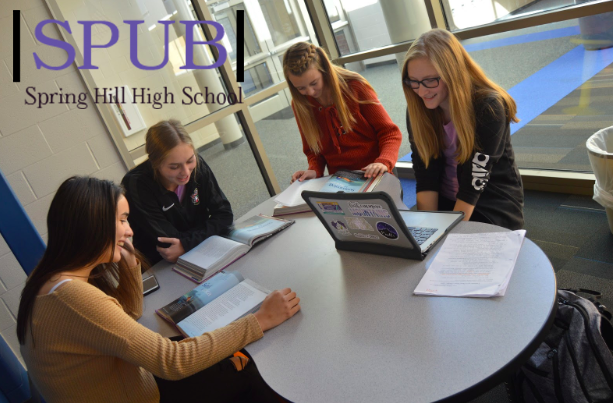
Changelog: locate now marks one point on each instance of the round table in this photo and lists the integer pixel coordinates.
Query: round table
(362, 336)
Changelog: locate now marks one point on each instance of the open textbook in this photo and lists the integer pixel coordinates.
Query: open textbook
(290, 201)
(215, 303)
(473, 265)
(216, 252)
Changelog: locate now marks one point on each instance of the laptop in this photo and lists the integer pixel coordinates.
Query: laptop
(371, 223)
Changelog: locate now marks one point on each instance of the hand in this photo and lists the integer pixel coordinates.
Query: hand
(127, 253)
(279, 306)
(374, 169)
(303, 175)
(173, 252)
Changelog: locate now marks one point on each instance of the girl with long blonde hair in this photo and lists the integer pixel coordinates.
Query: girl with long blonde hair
(340, 119)
(459, 129)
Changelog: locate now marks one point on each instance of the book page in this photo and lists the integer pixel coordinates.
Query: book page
(473, 265)
(292, 196)
(233, 304)
(210, 252)
(206, 292)
(255, 227)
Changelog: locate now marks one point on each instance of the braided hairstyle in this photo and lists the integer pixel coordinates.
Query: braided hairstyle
(303, 56)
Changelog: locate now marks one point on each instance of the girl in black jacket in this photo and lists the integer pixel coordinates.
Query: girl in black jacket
(458, 122)
(175, 199)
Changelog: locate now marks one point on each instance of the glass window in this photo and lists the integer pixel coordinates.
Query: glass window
(371, 24)
(561, 87)
(271, 26)
(280, 137)
(150, 95)
(462, 14)
(558, 74)
(236, 171)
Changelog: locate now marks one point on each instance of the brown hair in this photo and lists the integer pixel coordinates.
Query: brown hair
(161, 138)
(297, 60)
(82, 228)
(466, 82)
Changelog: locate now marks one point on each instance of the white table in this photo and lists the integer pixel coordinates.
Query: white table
(362, 336)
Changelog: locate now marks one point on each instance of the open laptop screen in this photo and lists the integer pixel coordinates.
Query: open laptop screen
(367, 220)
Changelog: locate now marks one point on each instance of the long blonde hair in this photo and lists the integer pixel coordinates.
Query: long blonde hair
(297, 60)
(466, 84)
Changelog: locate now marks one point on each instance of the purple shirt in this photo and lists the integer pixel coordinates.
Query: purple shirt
(180, 191)
(449, 179)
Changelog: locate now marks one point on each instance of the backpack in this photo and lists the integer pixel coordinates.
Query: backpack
(574, 363)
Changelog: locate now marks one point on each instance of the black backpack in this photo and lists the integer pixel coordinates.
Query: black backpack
(574, 363)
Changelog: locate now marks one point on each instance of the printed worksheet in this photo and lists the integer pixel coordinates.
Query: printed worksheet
(473, 265)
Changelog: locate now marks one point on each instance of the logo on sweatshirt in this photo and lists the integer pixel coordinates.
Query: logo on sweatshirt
(195, 197)
(480, 174)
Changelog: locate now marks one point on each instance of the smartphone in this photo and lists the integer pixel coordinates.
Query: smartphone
(150, 284)
(163, 244)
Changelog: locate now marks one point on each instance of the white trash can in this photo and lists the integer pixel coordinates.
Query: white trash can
(600, 150)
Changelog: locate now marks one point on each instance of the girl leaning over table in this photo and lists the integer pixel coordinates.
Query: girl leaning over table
(459, 129)
(76, 321)
(341, 121)
(176, 200)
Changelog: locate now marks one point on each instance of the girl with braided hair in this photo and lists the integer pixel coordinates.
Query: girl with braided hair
(340, 119)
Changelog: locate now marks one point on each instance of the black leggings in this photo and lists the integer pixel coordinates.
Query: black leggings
(219, 383)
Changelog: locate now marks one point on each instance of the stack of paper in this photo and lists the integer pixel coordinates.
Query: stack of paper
(473, 265)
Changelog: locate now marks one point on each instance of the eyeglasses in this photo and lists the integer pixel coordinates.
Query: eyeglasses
(427, 82)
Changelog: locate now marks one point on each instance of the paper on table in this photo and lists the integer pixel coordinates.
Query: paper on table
(473, 265)
(292, 196)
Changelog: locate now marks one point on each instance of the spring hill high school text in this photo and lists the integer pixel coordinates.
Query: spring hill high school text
(123, 95)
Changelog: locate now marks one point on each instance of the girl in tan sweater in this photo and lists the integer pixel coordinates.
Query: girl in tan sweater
(76, 322)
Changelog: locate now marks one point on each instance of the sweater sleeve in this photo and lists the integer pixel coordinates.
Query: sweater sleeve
(317, 162)
(491, 122)
(99, 322)
(427, 179)
(387, 132)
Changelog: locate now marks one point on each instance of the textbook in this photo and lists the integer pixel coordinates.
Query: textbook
(220, 300)
(216, 253)
(290, 200)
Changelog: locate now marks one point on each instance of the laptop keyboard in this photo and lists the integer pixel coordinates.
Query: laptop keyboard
(421, 234)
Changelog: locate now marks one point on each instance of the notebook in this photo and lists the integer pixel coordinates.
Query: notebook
(371, 223)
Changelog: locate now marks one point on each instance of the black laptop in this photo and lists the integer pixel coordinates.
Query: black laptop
(371, 223)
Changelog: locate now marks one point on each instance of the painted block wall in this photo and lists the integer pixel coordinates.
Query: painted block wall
(40, 148)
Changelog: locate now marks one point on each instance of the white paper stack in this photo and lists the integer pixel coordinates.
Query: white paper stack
(473, 265)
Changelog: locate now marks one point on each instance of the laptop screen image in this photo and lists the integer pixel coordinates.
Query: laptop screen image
(370, 222)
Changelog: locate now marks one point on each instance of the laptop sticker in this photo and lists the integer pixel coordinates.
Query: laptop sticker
(359, 223)
(365, 236)
(340, 227)
(368, 210)
(387, 230)
(330, 207)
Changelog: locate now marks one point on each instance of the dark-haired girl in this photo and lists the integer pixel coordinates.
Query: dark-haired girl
(76, 322)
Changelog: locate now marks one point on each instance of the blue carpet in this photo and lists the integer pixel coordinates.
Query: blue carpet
(408, 189)
(547, 86)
